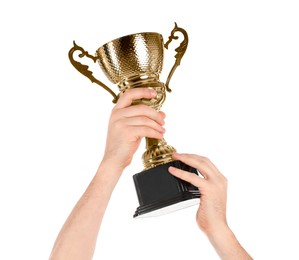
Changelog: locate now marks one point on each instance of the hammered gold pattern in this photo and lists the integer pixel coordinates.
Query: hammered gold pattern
(131, 55)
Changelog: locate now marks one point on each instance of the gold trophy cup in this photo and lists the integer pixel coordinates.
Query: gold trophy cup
(136, 61)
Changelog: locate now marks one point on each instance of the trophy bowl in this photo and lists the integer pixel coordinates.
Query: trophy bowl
(133, 55)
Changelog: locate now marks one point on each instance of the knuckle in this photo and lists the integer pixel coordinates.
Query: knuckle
(205, 159)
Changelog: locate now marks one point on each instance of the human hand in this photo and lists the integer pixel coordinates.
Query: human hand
(211, 215)
(128, 124)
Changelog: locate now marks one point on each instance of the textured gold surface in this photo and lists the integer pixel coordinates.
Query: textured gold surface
(130, 56)
(136, 61)
(157, 152)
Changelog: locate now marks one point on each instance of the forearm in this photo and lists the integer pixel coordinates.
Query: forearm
(227, 245)
(77, 238)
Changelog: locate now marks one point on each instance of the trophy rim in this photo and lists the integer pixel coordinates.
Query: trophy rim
(128, 36)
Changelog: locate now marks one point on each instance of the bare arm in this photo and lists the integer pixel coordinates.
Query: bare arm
(127, 125)
(77, 238)
(211, 215)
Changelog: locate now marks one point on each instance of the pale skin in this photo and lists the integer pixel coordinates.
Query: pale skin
(127, 126)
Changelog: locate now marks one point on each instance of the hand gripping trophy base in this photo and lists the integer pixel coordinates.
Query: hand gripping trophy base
(159, 192)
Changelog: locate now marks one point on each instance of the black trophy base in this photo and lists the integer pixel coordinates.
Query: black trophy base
(159, 192)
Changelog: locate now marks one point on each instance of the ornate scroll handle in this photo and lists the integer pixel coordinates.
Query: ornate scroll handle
(180, 50)
(84, 68)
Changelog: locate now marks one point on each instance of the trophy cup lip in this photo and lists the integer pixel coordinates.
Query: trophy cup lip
(128, 36)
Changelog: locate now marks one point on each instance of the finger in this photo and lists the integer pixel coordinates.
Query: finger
(202, 164)
(162, 114)
(144, 131)
(144, 121)
(187, 176)
(127, 98)
(142, 110)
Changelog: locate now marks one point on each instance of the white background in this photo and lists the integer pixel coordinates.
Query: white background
(234, 100)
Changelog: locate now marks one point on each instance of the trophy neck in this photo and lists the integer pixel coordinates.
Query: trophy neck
(136, 81)
(146, 81)
(157, 152)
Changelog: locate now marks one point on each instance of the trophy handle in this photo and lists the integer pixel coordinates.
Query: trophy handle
(180, 50)
(84, 68)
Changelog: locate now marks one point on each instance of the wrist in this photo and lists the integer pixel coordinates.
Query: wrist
(212, 227)
(218, 232)
(109, 172)
(113, 162)
(222, 239)
(226, 244)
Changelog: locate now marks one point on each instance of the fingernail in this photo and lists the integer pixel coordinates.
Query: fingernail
(171, 169)
(163, 114)
(153, 92)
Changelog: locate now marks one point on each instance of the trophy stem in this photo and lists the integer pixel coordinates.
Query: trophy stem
(157, 152)
(150, 142)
